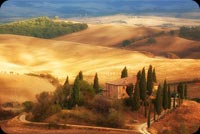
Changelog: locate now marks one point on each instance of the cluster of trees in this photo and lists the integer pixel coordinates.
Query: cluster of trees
(42, 27)
(190, 32)
(65, 97)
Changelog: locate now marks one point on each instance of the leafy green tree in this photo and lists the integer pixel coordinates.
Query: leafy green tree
(150, 80)
(159, 98)
(136, 98)
(154, 75)
(124, 73)
(96, 83)
(169, 97)
(165, 96)
(80, 75)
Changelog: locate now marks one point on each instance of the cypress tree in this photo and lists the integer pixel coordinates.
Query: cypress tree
(129, 90)
(139, 75)
(66, 81)
(185, 90)
(174, 99)
(159, 100)
(169, 97)
(150, 80)
(142, 85)
(80, 75)
(76, 91)
(96, 83)
(136, 98)
(180, 90)
(165, 96)
(154, 75)
(124, 73)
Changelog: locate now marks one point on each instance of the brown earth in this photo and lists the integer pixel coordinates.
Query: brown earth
(184, 120)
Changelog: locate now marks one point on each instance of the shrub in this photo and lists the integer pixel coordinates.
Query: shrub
(101, 104)
(151, 40)
(28, 105)
(126, 43)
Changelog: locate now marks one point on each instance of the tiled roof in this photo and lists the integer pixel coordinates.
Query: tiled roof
(124, 81)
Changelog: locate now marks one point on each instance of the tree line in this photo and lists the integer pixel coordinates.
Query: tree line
(42, 27)
(192, 33)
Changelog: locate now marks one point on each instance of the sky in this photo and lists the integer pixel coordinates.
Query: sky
(19, 9)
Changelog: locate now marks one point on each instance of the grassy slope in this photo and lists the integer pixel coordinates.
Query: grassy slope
(184, 118)
(67, 58)
(21, 88)
(113, 35)
(107, 35)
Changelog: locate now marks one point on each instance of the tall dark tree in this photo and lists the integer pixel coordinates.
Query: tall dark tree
(150, 80)
(129, 90)
(149, 118)
(76, 91)
(139, 75)
(185, 90)
(180, 90)
(66, 81)
(143, 85)
(165, 96)
(136, 98)
(169, 97)
(158, 100)
(124, 73)
(174, 99)
(80, 75)
(154, 75)
(96, 83)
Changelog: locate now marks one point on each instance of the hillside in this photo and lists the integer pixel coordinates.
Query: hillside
(108, 34)
(184, 120)
(166, 44)
(113, 35)
(15, 87)
(62, 58)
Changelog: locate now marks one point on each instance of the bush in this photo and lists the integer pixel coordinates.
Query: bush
(126, 43)
(101, 104)
(151, 40)
(28, 105)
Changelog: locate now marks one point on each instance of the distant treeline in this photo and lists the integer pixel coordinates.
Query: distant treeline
(192, 33)
(42, 27)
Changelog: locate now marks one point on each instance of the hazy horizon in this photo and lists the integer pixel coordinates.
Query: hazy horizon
(18, 9)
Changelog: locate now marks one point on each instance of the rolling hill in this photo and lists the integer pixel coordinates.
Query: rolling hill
(20, 88)
(113, 35)
(61, 58)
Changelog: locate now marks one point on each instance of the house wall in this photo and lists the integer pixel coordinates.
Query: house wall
(115, 91)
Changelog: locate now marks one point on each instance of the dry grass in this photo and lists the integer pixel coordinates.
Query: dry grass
(184, 119)
(21, 87)
(62, 58)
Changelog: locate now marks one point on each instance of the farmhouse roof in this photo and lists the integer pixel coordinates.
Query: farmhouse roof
(123, 81)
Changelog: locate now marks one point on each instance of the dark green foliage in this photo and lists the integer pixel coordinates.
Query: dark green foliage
(165, 96)
(66, 81)
(80, 75)
(136, 98)
(151, 40)
(45, 106)
(42, 27)
(28, 105)
(190, 32)
(154, 75)
(126, 43)
(169, 97)
(139, 75)
(142, 85)
(96, 83)
(185, 90)
(180, 90)
(129, 90)
(150, 80)
(124, 73)
(75, 96)
(158, 100)
(171, 32)
(174, 99)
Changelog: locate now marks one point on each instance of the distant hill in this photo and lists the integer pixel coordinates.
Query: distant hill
(42, 27)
